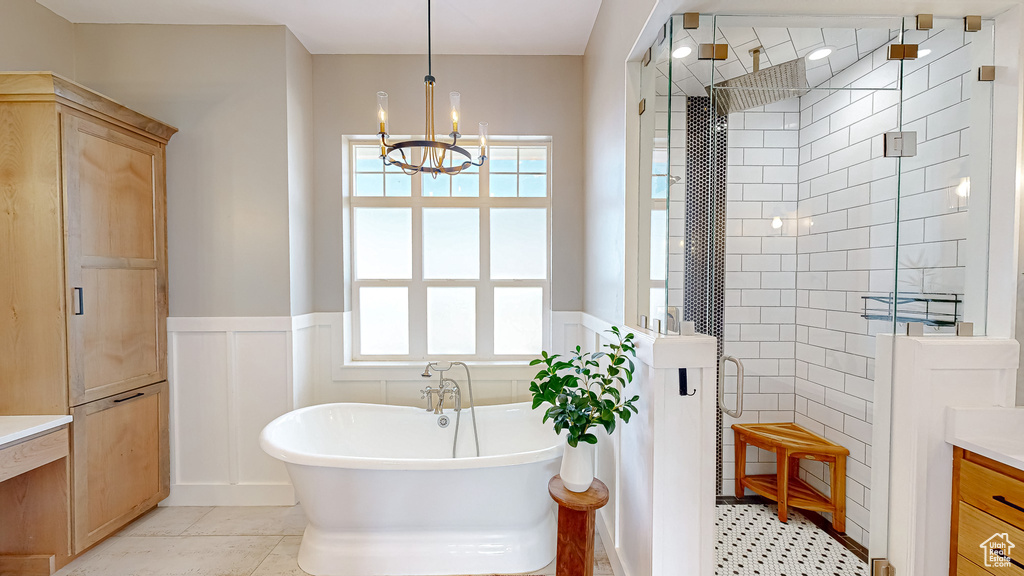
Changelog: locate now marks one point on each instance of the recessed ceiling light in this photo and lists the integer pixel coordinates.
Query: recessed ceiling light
(923, 53)
(682, 52)
(819, 54)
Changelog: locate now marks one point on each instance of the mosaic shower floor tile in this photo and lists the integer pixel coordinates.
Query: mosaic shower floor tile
(750, 540)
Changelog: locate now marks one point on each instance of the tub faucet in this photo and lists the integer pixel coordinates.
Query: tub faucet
(436, 396)
(429, 392)
(455, 393)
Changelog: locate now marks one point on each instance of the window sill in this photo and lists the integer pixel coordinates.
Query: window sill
(407, 370)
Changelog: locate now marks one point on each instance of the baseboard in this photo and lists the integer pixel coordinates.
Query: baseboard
(609, 546)
(231, 495)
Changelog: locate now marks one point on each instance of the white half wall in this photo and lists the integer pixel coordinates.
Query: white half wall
(660, 468)
(928, 374)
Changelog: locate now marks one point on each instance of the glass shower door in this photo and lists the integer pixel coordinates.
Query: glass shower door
(802, 197)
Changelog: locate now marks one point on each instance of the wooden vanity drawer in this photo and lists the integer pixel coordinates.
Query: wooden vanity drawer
(964, 567)
(988, 490)
(967, 568)
(975, 528)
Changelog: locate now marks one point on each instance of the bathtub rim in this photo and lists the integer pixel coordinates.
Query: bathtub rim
(289, 456)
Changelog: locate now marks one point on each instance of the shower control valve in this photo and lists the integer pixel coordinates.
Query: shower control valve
(428, 394)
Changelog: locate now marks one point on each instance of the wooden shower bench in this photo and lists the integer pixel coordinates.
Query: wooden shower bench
(791, 443)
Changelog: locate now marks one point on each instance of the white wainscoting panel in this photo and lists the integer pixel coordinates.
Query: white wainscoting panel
(229, 377)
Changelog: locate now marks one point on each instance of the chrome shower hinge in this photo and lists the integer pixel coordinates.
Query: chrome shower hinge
(900, 144)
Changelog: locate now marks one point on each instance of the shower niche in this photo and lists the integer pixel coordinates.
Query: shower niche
(771, 217)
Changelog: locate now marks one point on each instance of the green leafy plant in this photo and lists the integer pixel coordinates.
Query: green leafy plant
(587, 390)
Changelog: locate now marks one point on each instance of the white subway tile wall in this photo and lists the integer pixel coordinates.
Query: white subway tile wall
(761, 292)
(812, 228)
(846, 243)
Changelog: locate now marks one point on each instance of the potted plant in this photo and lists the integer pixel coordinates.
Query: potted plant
(584, 392)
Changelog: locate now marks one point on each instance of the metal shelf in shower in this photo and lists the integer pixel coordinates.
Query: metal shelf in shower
(916, 308)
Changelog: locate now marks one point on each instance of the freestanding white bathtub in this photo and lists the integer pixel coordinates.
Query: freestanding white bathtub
(383, 494)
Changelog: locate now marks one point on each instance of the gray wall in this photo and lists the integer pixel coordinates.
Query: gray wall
(34, 39)
(255, 219)
(516, 95)
(604, 104)
(299, 77)
(224, 87)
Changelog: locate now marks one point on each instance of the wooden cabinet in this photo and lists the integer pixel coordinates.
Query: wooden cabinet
(120, 461)
(34, 531)
(987, 517)
(116, 274)
(83, 288)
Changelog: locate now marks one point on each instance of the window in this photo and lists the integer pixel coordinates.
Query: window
(453, 266)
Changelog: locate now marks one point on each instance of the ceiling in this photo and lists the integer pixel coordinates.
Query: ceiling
(521, 27)
(690, 76)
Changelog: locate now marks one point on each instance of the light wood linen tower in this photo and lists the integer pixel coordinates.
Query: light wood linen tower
(83, 291)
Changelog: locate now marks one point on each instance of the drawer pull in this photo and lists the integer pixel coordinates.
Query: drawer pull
(1002, 500)
(136, 395)
(1007, 558)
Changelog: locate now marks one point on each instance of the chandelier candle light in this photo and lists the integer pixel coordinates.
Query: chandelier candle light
(432, 152)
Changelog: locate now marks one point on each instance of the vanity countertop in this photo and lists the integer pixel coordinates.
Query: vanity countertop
(996, 433)
(14, 428)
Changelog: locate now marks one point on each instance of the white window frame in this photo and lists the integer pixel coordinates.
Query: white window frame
(417, 285)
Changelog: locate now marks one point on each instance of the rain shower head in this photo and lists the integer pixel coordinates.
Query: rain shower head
(761, 87)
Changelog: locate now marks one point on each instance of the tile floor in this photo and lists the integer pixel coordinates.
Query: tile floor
(750, 540)
(220, 541)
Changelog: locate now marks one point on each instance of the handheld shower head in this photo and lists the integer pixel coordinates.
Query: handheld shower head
(441, 366)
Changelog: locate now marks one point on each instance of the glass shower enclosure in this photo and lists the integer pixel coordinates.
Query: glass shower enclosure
(802, 189)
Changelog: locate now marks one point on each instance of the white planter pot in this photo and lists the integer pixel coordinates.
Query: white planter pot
(578, 467)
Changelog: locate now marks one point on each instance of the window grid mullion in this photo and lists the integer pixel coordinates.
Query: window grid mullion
(485, 286)
(485, 300)
(418, 290)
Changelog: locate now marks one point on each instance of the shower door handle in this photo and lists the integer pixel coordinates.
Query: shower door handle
(739, 386)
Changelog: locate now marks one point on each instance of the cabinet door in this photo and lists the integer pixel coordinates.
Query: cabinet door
(116, 258)
(121, 461)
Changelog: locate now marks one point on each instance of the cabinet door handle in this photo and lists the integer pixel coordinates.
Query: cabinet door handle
(1008, 559)
(80, 297)
(136, 395)
(1002, 500)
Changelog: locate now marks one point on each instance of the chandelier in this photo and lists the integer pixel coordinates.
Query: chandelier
(432, 152)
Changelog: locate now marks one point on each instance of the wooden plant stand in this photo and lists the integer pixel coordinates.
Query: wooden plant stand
(576, 526)
(791, 443)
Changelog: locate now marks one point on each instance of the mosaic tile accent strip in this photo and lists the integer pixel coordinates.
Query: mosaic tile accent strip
(749, 540)
(707, 165)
